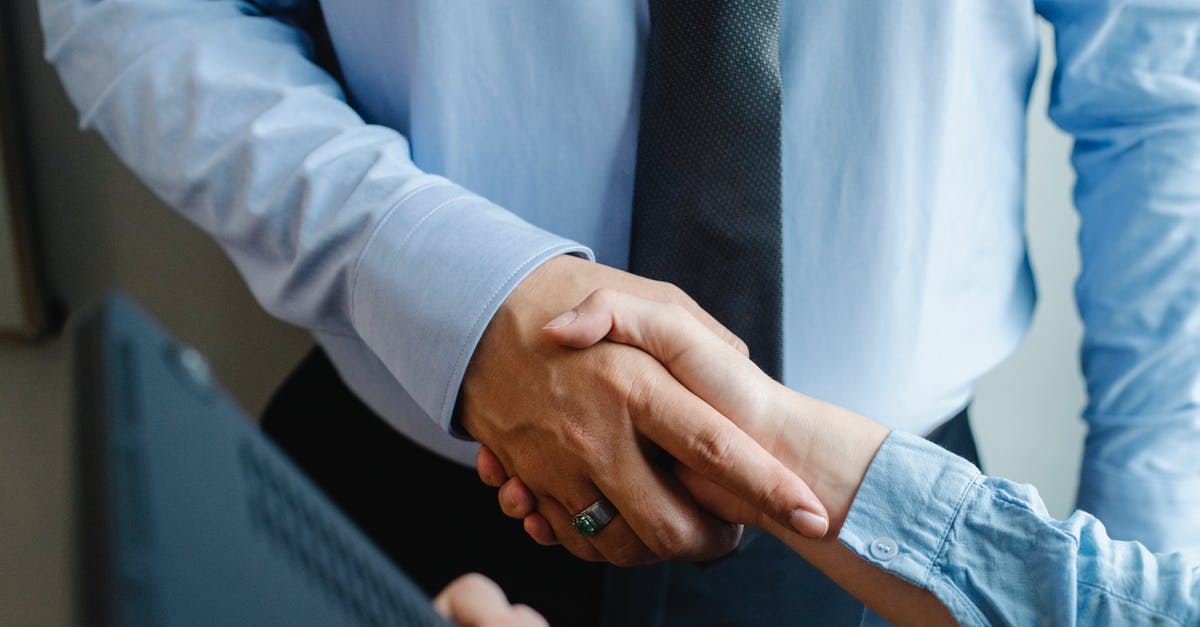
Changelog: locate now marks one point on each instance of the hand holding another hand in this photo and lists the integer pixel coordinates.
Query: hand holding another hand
(577, 425)
(829, 446)
(730, 440)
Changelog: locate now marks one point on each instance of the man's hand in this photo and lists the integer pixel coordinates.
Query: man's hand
(828, 445)
(476, 601)
(704, 364)
(576, 425)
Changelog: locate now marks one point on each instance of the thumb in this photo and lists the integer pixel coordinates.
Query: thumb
(723, 380)
(582, 326)
(704, 363)
(663, 330)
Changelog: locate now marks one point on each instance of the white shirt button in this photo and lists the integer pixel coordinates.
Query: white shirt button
(884, 548)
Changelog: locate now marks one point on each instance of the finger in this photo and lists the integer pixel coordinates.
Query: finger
(616, 541)
(516, 500)
(686, 426)
(664, 331)
(560, 521)
(661, 329)
(676, 296)
(471, 600)
(490, 470)
(540, 530)
(590, 321)
(702, 439)
(570, 328)
(712, 324)
(717, 499)
(662, 514)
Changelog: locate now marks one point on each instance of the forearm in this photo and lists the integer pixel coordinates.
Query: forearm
(218, 108)
(920, 536)
(893, 598)
(1127, 90)
(831, 448)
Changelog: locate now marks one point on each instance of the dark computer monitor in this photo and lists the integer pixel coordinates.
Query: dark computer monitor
(191, 517)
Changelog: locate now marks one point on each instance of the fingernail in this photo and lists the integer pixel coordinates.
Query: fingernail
(562, 320)
(809, 524)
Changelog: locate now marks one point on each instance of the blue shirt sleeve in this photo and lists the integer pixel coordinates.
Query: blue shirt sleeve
(987, 548)
(217, 106)
(1127, 86)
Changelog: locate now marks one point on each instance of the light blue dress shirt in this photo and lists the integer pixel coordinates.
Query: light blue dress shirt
(474, 140)
(992, 555)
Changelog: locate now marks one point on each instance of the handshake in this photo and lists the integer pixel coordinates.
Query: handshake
(653, 436)
(669, 462)
(713, 433)
(636, 415)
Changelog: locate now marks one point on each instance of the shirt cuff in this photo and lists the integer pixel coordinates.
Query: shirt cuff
(424, 290)
(908, 502)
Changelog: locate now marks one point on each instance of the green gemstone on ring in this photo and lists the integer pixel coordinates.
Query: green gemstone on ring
(585, 525)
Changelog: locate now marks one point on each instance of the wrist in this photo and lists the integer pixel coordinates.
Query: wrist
(828, 446)
(545, 289)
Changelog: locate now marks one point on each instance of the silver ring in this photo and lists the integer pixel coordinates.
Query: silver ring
(595, 517)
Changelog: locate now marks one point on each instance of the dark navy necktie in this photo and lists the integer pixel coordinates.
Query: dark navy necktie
(706, 206)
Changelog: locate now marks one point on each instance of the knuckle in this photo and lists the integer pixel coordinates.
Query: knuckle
(641, 395)
(672, 541)
(775, 491)
(683, 299)
(603, 296)
(677, 310)
(713, 450)
(607, 362)
(579, 437)
(673, 292)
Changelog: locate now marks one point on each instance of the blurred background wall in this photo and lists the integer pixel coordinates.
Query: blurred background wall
(99, 229)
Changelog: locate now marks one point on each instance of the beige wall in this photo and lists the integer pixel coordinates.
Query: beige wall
(1026, 412)
(101, 230)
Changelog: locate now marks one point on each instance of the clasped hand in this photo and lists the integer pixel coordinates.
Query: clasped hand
(566, 418)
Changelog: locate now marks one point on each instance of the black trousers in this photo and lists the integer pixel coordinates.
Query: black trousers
(436, 520)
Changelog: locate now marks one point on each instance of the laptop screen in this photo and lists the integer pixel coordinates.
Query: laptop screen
(192, 517)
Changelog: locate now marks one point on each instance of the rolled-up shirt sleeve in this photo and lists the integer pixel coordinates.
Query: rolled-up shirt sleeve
(987, 548)
(1127, 87)
(219, 109)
